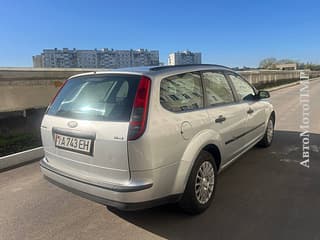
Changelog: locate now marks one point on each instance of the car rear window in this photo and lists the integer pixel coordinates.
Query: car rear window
(103, 97)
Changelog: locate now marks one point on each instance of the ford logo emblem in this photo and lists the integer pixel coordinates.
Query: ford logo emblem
(72, 124)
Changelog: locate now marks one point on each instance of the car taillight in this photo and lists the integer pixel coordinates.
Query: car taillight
(139, 113)
(55, 96)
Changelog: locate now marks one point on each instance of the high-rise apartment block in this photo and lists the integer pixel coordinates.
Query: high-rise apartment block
(185, 57)
(104, 58)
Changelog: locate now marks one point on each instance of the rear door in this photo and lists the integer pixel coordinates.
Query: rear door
(226, 116)
(85, 130)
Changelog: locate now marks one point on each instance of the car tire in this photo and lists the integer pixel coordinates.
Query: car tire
(201, 186)
(268, 135)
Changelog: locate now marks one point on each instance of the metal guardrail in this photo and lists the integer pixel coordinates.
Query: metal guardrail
(19, 158)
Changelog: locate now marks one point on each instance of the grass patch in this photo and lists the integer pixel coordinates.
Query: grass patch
(274, 84)
(17, 143)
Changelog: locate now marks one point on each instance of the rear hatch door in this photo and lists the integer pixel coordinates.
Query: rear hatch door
(85, 129)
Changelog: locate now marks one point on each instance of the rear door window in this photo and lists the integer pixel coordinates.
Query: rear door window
(182, 92)
(217, 88)
(104, 97)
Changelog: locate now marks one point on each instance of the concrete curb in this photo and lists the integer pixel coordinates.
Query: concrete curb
(281, 87)
(20, 158)
(288, 85)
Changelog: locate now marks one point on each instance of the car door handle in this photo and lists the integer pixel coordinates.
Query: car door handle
(220, 119)
(250, 111)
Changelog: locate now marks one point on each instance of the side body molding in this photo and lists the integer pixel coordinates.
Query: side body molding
(196, 144)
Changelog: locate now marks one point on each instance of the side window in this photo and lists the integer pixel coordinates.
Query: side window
(182, 92)
(217, 88)
(244, 90)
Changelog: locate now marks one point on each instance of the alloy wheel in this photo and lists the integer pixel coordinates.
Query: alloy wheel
(270, 131)
(204, 183)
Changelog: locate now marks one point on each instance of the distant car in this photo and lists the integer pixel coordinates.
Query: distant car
(304, 75)
(136, 138)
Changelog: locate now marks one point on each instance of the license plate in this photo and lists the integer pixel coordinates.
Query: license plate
(76, 144)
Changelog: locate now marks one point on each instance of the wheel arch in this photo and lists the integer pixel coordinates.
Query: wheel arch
(273, 115)
(215, 152)
(209, 141)
(269, 112)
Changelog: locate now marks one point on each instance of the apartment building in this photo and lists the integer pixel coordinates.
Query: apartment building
(184, 57)
(104, 58)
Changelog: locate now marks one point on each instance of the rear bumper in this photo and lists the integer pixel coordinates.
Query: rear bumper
(131, 187)
(119, 205)
(126, 197)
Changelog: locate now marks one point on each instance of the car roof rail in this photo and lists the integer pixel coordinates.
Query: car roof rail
(158, 68)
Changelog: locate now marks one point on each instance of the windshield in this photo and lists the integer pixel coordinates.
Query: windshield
(104, 97)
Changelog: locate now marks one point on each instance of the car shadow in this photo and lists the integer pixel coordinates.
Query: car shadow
(265, 194)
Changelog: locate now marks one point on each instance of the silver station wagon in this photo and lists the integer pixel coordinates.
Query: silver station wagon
(139, 137)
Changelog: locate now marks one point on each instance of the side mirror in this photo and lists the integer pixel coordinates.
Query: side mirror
(263, 94)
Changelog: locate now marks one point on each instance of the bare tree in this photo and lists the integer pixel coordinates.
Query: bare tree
(285, 61)
(268, 63)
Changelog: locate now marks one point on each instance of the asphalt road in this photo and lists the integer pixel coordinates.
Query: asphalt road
(266, 194)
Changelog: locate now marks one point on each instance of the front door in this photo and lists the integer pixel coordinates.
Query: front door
(254, 108)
